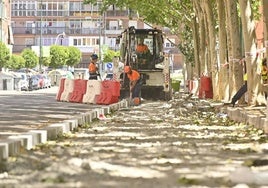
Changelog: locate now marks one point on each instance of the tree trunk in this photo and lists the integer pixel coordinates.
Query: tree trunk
(212, 47)
(265, 21)
(222, 53)
(195, 27)
(235, 66)
(250, 49)
(201, 31)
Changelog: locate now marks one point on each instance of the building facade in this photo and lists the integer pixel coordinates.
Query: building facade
(43, 23)
(6, 35)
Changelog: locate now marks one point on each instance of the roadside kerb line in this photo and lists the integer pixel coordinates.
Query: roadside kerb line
(14, 144)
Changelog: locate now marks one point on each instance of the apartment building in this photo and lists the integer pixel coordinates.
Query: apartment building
(39, 24)
(6, 35)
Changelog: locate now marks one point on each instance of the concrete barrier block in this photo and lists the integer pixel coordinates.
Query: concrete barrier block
(94, 114)
(10, 147)
(243, 116)
(73, 123)
(28, 139)
(264, 122)
(106, 109)
(42, 135)
(3, 151)
(230, 112)
(80, 120)
(251, 119)
(53, 131)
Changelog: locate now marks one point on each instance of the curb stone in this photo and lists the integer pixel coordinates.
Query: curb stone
(14, 144)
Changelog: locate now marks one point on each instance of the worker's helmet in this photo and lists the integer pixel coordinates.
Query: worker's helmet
(127, 69)
(94, 56)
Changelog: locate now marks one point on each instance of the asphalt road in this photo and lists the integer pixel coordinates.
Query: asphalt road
(21, 111)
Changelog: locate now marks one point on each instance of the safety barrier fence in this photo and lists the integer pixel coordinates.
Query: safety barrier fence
(88, 91)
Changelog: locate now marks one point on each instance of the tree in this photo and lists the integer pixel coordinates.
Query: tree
(265, 18)
(249, 35)
(222, 52)
(4, 55)
(30, 57)
(74, 56)
(59, 55)
(235, 48)
(46, 61)
(109, 55)
(196, 19)
(16, 62)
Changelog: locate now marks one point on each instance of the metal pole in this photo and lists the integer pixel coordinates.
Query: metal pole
(40, 50)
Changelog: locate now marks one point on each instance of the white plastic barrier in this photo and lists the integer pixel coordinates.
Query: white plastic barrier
(93, 89)
(68, 89)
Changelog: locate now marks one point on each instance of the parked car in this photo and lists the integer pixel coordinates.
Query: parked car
(33, 82)
(23, 82)
(41, 81)
(47, 81)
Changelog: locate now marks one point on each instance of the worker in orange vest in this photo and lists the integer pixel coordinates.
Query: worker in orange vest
(143, 52)
(141, 47)
(135, 83)
(93, 68)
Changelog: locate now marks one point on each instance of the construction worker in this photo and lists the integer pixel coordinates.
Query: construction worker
(135, 83)
(143, 53)
(141, 47)
(93, 68)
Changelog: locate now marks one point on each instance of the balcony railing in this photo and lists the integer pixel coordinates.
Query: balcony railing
(68, 31)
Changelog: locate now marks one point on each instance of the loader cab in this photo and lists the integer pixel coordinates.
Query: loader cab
(142, 48)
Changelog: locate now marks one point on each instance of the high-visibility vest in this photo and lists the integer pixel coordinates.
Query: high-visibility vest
(245, 77)
(264, 74)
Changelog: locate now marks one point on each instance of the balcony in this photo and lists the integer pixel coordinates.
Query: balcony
(68, 31)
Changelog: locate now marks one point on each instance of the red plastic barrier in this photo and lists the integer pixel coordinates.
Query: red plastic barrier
(106, 98)
(110, 92)
(78, 91)
(111, 86)
(205, 83)
(205, 90)
(61, 89)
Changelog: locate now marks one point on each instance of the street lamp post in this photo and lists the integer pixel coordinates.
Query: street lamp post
(62, 35)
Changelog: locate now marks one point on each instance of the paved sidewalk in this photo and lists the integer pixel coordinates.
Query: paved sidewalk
(256, 116)
(30, 118)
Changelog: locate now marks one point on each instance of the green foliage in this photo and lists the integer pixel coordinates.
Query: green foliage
(255, 6)
(174, 14)
(16, 62)
(74, 56)
(59, 55)
(109, 55)
(46, 61)
(30, 57)
(4, 54)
